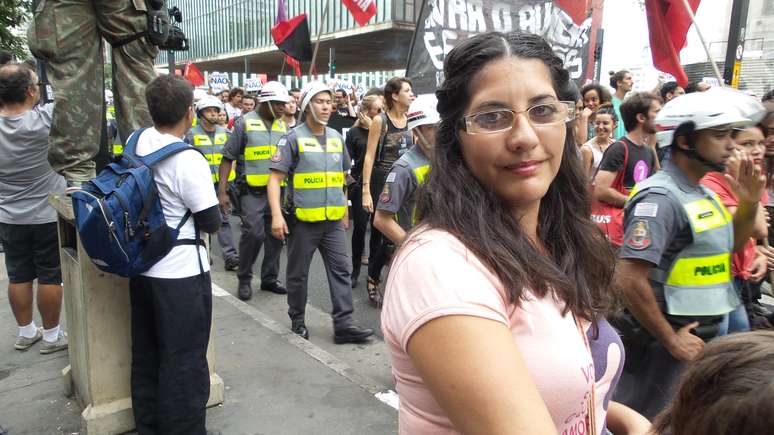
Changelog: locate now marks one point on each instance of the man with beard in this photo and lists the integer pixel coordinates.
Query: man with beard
(631, 155)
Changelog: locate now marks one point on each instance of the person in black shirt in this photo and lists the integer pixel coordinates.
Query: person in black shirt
(638, 113)
(344, 117)
(356, 142)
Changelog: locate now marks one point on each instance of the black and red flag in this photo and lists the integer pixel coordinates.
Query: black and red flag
(292, 36)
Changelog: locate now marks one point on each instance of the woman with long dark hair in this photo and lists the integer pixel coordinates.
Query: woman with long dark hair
(388, 139)
(495, 302)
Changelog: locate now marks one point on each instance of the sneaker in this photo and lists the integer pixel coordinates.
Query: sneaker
(24, 343)
(59, 344)
(231, 263)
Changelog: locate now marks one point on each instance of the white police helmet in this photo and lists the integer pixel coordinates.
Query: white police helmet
(423, 111)
(714, 108)
(310, 90)
(273, 91)
(208, 101)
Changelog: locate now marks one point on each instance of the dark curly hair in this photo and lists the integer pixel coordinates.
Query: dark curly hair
(577, 264)
(15, 81)
(602, 93)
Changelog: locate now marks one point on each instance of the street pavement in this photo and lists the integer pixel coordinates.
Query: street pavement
(276, 382)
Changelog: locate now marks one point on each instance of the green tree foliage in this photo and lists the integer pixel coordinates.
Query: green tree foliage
(14, 15)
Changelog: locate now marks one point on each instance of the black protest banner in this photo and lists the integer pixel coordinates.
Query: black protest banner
(444, 23)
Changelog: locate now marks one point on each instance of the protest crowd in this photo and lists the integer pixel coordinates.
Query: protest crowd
(547, 258)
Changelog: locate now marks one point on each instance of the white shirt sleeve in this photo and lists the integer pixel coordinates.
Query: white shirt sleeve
(194, 182)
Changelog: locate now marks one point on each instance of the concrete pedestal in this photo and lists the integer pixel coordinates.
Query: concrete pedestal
(98, 316)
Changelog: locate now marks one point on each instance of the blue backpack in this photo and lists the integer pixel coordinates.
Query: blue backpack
(119, 217)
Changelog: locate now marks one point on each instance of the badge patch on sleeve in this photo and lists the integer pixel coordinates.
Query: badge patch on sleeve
(385, 195)
(277, 156)
(639, 237)
(646, 209)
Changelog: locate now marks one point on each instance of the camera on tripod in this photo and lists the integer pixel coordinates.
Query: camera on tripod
(176, 40)
(162, 30)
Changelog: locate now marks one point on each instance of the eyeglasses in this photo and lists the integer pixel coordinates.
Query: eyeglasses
(496, 121)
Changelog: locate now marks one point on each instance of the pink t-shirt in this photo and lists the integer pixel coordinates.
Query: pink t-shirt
(434, 275)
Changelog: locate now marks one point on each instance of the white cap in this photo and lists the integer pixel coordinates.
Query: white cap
(273, 91)
(714, 108)
(310, 90)
(423, 111)
(208, 101)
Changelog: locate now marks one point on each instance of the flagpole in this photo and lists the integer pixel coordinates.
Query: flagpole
(284, 59)
(319, 34)
(701, 38)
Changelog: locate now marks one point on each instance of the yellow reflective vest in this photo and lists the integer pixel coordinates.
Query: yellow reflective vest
(261, 145)
(212, 149)
(318, 179)
(698, 281)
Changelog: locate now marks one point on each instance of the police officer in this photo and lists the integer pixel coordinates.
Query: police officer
(255, 139)
(209, 138)
(674, 267)
(316, 159)
(395, 208)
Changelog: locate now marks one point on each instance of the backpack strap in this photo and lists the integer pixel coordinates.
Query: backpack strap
(130, 149)
(167, 151)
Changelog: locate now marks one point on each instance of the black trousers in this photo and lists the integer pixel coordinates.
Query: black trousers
(171, 321)
(360, 217)
(378, 245)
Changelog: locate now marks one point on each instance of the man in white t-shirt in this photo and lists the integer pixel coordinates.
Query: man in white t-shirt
(172, 301)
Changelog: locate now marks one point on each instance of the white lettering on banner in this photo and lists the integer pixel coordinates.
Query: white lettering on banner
(253, 85)
(501, 17)
(219, 81)
(452, 20)
(364, 4)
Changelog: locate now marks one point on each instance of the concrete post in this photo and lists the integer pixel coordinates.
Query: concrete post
(98, 319)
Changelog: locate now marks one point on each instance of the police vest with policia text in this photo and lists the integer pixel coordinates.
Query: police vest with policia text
(698, 281)
(261, 146)
(212, 149)
(318, 179)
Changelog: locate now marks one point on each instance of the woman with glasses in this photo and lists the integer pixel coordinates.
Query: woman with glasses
(388, 139)
(494, 306)
(356, 142)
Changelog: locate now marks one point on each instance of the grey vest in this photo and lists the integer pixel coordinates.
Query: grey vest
(261, 145)
(698, 281)
(419, 165)
(318, 178)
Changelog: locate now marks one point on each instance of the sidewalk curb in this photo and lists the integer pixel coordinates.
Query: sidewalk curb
(388, 397)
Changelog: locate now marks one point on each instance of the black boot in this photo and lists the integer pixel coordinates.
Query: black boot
(352, 334)
(299, 328)
(274, 287)
(244, 291)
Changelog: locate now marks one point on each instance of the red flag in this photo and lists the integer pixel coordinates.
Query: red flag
(192, 74)
(361, 10)
(668, 24)
(296, 65)
(576, 9)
